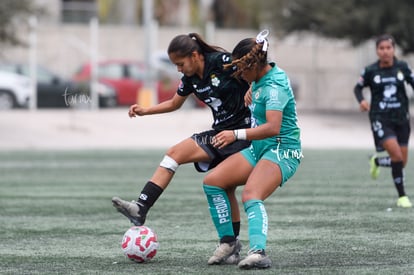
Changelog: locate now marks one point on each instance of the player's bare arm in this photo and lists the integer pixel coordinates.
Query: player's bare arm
(248, 97)
(268, 129)
(164, 107)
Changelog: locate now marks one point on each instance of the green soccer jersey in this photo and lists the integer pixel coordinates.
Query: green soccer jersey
(273, 92)
(223, 93)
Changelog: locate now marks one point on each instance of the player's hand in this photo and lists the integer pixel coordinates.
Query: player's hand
(364, 106)
(248, 97)
(223, 139)
(136, 110)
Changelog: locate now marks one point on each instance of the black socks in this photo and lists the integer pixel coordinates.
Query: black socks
(383, 161)
(149, 194)
(398, 177)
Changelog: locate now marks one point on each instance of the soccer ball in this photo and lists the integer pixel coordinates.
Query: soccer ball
(140, 244)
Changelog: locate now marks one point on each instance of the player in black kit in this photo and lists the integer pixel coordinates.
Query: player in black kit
(203, 76)
(388, 111)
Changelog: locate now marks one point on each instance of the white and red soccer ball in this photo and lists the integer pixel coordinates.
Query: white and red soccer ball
(140, 244)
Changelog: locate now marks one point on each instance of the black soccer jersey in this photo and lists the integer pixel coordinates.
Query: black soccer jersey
(389, 99)
(220, 91)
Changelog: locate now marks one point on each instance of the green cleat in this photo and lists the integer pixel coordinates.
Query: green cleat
(404, 202)
(374, 168)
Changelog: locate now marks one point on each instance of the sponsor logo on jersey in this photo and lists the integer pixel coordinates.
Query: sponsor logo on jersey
(214, 103)
(388, 79)
(203, 90)
(225, 58)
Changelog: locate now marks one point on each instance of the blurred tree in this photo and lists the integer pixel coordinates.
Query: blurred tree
(236, 13)
(12, 14)
(356, 20)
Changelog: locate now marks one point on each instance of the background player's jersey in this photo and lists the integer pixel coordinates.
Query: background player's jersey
(220, 91)
(273, 92)
(389, 99)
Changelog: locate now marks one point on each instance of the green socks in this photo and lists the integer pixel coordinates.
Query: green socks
(220, 210)
(257, 220)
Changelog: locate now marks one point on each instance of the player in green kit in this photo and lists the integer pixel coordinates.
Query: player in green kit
(272, 158)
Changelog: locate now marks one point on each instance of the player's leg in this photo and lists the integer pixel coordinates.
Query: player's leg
(397, 166)
(235, 211)
(376, 162)
(216, 186)
(184, 152)
(379, 131)
(404, 151)
(270, 172)
(263, 181)
(235, 217)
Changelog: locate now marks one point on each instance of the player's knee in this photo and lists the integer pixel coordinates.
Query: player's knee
(169, 163)
(211, 179)
(248, 194)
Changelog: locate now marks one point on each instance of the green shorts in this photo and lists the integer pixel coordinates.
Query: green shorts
(288, 159)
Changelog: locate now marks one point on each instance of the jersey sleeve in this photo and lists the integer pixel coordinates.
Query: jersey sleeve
(224, 58)
(359, 86)
(276, 98)
(183, 88)
(408, 74)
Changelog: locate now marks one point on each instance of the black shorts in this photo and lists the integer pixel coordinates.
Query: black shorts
(216, 155)
(383, 130)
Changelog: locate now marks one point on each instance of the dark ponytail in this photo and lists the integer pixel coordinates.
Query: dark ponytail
(184, 45)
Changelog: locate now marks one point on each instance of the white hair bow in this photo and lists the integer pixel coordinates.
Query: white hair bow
(261, 38)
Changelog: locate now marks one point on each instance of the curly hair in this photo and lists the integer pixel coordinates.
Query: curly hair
(246, 53)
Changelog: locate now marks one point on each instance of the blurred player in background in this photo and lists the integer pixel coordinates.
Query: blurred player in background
(388, 111)
(272, 158)
(204, 76)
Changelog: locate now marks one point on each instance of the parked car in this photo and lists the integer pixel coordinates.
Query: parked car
(55, 91)
(15, 91)
(127, 78)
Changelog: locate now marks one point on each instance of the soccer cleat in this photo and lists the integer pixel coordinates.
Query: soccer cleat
(131, 210)
(224, 253)
(255, 259)
(374, 168)
(235, 258)
(404, 202)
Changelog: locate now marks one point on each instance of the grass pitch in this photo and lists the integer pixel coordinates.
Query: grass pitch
(330, 218)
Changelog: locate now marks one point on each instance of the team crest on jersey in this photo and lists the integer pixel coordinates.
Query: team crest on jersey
(257, 93)
(214, 80)
(400, 76)
(377, 79)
